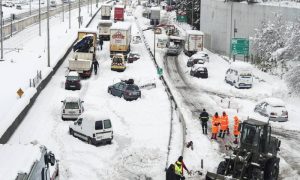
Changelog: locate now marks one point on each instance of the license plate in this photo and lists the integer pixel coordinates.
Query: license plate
(72, 112)
(72, 86)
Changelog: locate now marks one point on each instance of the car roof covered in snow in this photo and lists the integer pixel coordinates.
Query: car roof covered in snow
(72, 99)
(121, 26)
(198, 56)
(88, 30)
(105, 21)
(119, 6)
(240, 66)
(274, 101)
(194, 32)
(155, 8)
(73, 73)
(94, 116)
(17, 158)
(196, 66)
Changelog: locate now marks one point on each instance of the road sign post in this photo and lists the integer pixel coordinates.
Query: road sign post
(20, 92)
(240, 46)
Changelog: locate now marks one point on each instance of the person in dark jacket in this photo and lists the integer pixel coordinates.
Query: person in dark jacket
(101, 43)
(95, 65)
(170, 173)
(204, 118)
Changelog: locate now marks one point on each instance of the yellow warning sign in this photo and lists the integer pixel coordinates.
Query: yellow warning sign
(20, 92)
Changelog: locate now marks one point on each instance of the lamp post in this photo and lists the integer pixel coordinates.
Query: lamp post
(40, 18)
(1, 32)
(48, 33)
(30, 7)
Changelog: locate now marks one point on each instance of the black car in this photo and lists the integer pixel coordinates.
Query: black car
(192, 61)
(132, 57)
(199, 71)
(73, 81)
(126, 89)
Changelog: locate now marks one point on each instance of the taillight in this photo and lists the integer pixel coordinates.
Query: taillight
(273, 114)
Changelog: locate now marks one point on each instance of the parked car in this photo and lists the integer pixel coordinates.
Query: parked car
(273, 108)
(132, 56)
(126, 89)
(92, 127)
(73, 81)
(195, 60)
(239, 75)
(19, 7)
(8, 4)
(202, 54)
(173, 50)
(72, 108)
(199, 71)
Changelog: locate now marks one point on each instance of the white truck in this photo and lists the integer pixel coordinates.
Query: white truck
(84, 52)
(106, 11)
(193, 42)
(120, 38)
(27, 162)
(104, 29)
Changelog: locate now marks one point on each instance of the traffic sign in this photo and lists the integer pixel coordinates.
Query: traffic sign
(240, 46)
(20, 92)
(159, 71)
(181, 18)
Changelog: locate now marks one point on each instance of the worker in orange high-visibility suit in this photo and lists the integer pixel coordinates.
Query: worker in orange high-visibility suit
(236, 131)
(224, 125)
(215, 122)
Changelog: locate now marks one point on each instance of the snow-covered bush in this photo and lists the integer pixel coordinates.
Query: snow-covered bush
(293, 80)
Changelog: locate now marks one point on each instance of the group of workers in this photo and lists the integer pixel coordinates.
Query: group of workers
(219, 124)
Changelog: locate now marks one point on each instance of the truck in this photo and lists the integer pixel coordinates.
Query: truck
(154, 15)
(193, 42)
(105, 11)
(104, 29)
(120, 38)
(27, 162)
(84, 52)
(119, 13)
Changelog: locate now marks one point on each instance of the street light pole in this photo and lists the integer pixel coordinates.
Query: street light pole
(69, 14)
(63, 11)
(230, 54)
(79, 17)
(48, 34)
(40, 18)
(1, 24)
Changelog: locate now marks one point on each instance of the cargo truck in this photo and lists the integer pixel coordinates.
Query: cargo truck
(119, 13)
(193, 42)
(104, 29)
(27, 162)
(120, 38)
(154, 15)
(105, 11)
(84, 52)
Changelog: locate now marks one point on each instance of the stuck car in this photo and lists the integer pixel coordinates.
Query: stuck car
(239, 75)
(273, 108)
(73, 81)
(125, 89)
(195, 60)
(132, 56)
(92, 127)
(72, 108)
(199, 71)
(173, 50)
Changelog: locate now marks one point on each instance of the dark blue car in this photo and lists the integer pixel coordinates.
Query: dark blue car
(126, 89)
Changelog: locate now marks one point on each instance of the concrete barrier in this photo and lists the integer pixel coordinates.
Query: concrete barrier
(217, 21)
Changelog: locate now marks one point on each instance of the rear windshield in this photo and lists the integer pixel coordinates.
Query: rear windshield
(72, 78)
(132, 87)
(245, 74)
(98, 125)
(107, 124)
(72, 105)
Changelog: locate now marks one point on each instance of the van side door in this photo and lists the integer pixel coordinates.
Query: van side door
(99, 130)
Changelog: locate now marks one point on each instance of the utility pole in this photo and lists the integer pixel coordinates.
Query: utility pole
(69, 14)
(91, 8)
(63, 11)
(234, 31)
(30, 7)
(40, 18)
(79, 17)
(199, 15)
(48, 34)
(154, 38)
(1, 24)
(231, 10)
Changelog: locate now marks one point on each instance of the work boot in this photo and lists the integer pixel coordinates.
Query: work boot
(220, 134)
(203, 131)
(235, 141)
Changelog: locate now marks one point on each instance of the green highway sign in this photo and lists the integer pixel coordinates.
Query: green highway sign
(181, 18)
(159, 71)
(240, 46)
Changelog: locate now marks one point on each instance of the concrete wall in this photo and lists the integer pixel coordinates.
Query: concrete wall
(216, 21)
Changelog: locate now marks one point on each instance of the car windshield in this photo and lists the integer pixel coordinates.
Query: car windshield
(72, 105)
(118, 60)
(245, 74)
(132, 87)
(107, 124)
(105, 24)
(72, 78)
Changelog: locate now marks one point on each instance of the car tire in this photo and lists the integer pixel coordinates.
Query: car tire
(109, 91)
(71, 132)
(63, 118)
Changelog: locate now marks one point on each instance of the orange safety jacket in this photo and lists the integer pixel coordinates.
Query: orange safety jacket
(236, 127)
(215, 124)
(224, 123)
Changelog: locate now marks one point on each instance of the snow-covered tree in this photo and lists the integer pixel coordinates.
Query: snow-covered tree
(293, 80)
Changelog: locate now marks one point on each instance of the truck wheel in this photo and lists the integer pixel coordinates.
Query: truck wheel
(272, 169)
(90, 141)
(71, 132)
(221, 168)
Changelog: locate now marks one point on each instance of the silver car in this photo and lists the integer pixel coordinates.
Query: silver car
(72, 108)
(272, 108)
(173, 50)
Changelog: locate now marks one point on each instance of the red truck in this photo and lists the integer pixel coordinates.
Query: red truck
(119, 13)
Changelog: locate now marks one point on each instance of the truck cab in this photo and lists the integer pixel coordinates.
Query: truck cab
(105, 11)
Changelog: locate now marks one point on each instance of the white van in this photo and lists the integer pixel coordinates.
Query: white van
(93, 128)
(239, 75)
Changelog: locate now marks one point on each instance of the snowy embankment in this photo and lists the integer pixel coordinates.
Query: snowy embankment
(141, 127)
(20, 66)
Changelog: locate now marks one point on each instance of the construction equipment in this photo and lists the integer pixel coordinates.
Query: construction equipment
(255, 158)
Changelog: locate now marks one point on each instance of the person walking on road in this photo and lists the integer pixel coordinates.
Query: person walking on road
(204, 118)
(179, 166)
(236, 131)
(101, 43)
(215, 126)
(95, 65)
(224, 125)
